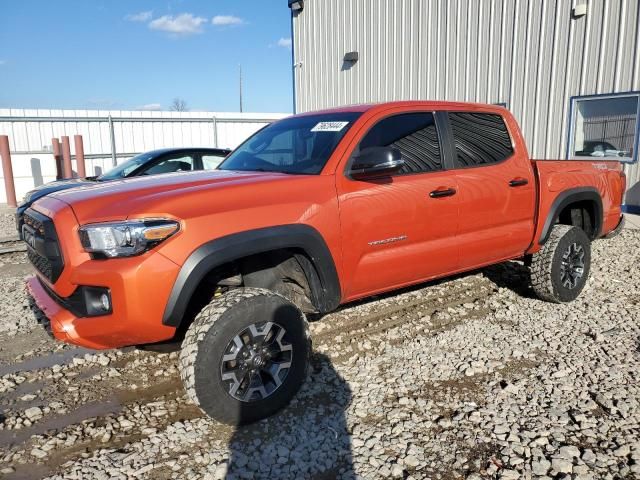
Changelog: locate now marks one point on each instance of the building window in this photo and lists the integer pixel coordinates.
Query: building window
(604, 127)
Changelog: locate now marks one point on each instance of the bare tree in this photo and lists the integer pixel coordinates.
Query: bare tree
(179, 105)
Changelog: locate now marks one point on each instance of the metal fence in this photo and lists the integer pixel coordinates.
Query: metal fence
(113, 136)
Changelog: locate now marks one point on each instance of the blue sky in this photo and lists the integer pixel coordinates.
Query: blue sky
(116, 54)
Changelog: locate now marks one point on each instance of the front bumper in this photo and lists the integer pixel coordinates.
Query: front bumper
(62, 321)
(139, 287)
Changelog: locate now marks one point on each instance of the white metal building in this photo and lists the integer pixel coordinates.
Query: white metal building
(568, 69)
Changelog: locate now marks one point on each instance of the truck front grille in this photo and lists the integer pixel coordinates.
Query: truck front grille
(43, 249)
(42, 264)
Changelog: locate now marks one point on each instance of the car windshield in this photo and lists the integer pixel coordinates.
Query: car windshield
(294, 145)
(125, 168)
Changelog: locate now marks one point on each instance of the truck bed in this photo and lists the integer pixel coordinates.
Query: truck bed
(559, 178)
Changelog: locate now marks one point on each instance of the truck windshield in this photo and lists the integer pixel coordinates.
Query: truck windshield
(299, 145)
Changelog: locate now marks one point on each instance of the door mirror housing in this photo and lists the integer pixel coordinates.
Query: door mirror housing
(376, 162)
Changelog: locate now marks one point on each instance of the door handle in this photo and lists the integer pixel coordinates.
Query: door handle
(518, 182)
(443, 192)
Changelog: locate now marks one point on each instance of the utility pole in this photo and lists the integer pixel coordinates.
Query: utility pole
(240, 78)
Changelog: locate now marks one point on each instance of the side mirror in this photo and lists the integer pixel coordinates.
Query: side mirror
(376, 162)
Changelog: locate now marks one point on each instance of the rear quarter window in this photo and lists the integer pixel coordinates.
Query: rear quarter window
(479, 138)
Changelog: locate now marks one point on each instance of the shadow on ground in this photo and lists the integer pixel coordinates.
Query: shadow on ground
(511, 275)
(308, 439)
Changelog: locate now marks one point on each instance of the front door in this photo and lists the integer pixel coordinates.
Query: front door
(399, 229)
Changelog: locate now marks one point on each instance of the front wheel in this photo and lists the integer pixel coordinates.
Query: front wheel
(245, 356)
(559, 271)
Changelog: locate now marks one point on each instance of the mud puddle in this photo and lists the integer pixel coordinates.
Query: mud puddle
(24, 389)
(16, 348)
(45, 361)
(89, 411)
(56, 423)
(97, 414)
(28, 472)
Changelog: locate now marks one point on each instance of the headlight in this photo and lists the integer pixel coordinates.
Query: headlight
(126, 238)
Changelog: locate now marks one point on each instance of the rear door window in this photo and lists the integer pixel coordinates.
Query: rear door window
(414, 134)
(479, 138)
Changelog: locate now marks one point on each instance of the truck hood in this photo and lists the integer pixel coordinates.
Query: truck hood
(118, 200)
(55, 186)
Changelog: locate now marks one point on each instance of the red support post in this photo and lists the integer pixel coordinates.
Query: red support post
(57, 156)
(67, 171)
(79, 156)
(7, 171)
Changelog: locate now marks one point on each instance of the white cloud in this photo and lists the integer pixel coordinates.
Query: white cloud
(149, 107)
(139, 17)
(284, 43)
(225, 20)
(183, 24)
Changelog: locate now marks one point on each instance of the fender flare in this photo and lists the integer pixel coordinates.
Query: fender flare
(320, 268)
(566, 198)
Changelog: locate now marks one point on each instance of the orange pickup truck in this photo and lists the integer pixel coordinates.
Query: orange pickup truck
(311, 212)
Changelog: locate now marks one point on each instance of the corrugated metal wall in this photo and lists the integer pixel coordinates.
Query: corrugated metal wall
(532, 55)
(30, 133)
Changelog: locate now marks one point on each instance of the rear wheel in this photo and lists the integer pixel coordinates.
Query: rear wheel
(245, 355)
(559, 271)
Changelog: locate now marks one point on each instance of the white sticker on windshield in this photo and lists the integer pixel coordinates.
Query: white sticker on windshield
(329, 126)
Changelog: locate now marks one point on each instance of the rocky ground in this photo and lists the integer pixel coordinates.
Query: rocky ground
(467, 378)
(7, 222)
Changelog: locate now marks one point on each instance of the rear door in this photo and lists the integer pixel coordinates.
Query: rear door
(395, 231)
(496, 189)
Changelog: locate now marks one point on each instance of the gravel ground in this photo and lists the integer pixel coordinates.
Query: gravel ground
(7, 222)
(467, 378)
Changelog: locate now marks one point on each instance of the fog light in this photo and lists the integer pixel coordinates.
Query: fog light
(97, 301)
(106, 303)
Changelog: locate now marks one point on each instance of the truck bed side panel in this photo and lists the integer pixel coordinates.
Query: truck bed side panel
(557, 177)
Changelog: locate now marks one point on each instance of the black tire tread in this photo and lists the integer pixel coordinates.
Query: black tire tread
(542, 264)
(203, 323)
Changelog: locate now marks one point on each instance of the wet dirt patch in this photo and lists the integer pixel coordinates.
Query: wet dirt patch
(45, 361)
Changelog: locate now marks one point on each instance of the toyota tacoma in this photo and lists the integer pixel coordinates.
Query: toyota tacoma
(311, 212)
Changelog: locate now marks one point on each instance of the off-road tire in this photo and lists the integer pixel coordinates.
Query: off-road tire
(210, 334)
(546, 265)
